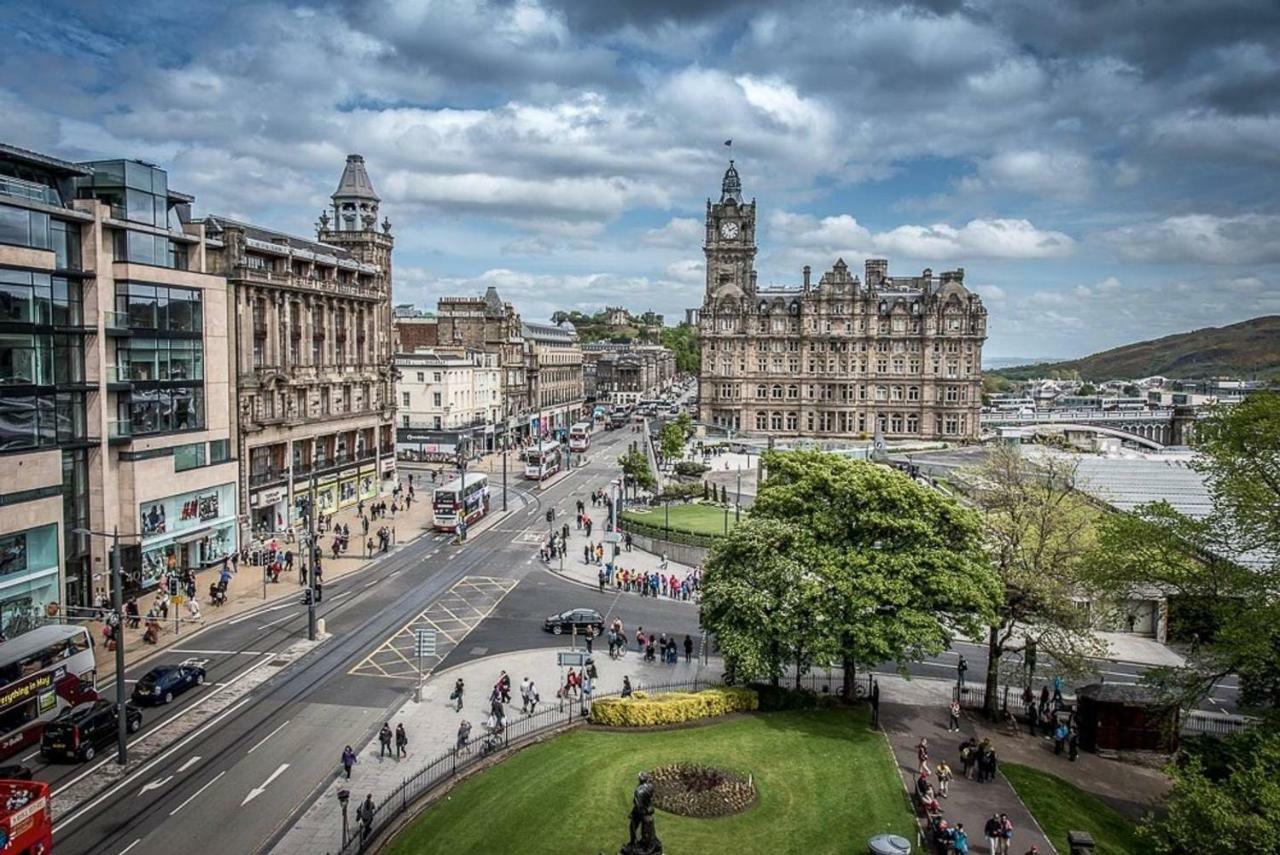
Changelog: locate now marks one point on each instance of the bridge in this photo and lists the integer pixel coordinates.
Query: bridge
(1150, 428)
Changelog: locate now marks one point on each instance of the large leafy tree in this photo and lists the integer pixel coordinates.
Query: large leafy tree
(1039, 533)
(682, 340)
(886, 570)
(635, 469)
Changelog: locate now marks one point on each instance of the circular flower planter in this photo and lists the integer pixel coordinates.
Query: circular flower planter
(689, 789)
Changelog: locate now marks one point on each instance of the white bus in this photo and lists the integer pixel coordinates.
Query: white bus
(41, 672)
(580, 437)
(453, 502)
(541, 461)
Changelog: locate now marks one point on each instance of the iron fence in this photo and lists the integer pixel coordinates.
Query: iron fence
(558, 715)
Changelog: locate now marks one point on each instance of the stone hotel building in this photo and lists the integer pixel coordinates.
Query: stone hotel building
(115, 394)
(836, 358)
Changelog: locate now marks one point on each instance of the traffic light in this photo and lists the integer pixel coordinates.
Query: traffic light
(173, 586)
(551, 514)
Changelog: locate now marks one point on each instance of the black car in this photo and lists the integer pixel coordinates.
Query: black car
(78, 732)
(160, 685)
(586, 620)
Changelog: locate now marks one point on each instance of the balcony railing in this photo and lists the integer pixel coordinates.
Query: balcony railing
(116, 322)
(20, 189)
(119, 429)
(270, 475)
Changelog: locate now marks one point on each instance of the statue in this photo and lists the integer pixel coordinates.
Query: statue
(386, 225)
(642, 819)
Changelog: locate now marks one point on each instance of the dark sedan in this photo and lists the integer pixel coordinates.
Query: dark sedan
(584, 620)
(160, 685)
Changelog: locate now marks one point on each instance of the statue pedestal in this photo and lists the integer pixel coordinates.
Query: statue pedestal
(639, 848)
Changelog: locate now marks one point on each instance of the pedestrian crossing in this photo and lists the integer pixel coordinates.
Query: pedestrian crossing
(452, 616)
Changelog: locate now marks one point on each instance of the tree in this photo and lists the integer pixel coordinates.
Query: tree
(671, 441)
(682, 340)
(1087, 388)
(1039, 532)
(635, 467)
(892, 568)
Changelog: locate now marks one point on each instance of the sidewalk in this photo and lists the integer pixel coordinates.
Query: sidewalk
(635, 561)
(246, 590)
(432, 727)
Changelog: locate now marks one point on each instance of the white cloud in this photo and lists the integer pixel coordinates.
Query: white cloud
(1056, 174)
(1206, 238)
(682, 232)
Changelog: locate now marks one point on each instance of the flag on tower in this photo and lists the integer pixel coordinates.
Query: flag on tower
(728, 142)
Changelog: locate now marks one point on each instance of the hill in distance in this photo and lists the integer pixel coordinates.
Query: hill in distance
(1247, 349)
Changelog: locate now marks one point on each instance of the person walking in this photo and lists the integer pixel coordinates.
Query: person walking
(456, 695)
(1006, 834)
(348, 760)
(533, 698)
(922, 756)
(626, 686)
(384, 740)
(365, 813)
(524, 695)
(1059, 737)
(1073, 745)
(960, 840)
(875, 704)
(953, 717)
(402, 742)
(961, 667)
(464, 736)
(993, 832)
(944, 778)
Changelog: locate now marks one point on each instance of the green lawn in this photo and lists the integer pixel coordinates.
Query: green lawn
(1060, 807)
(825, 784)
(694, 518)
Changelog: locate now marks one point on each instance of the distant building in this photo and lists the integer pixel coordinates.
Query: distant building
(447, 400)
(554, 368)
(413, 333)
(489, 323)
(616, 317)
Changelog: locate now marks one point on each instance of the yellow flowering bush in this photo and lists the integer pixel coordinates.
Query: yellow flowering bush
(643, 710)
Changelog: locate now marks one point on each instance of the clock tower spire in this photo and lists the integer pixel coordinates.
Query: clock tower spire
(730, 247)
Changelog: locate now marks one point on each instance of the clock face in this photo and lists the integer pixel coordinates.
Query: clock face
(729, 230)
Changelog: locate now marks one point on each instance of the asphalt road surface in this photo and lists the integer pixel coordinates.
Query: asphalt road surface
(231, 767)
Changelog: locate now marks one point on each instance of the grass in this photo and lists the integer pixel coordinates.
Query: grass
(825, 783)
(692, 518)
(1060, 807)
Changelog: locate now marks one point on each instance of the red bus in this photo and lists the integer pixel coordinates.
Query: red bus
(41, 672)
(26, 819)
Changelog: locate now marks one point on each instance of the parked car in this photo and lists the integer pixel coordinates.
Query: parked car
(78, 732)
(160, 685)
(585, 620)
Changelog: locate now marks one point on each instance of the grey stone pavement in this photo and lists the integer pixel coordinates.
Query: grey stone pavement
(432, 725)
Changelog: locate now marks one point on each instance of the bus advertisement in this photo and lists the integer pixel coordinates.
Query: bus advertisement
(541, 461)
(580, 437)
(41, 672)
(455, 501)
(26, 818)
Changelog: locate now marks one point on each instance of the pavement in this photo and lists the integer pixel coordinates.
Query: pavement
(432, 725)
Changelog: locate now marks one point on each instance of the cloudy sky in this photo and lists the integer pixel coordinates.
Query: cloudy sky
(1104, 170)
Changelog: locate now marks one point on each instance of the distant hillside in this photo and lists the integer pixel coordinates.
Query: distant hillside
(1243, 349)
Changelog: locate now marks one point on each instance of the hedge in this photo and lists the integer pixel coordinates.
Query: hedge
(673, 535)
(641, 710)
(780, 698)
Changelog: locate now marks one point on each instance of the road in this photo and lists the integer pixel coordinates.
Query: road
(233, 763)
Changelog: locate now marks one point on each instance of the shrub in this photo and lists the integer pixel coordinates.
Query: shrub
(680, 492)
(691, 468)
(641, 710)
(779, 698)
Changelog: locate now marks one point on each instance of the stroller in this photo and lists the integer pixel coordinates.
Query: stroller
(217, 594)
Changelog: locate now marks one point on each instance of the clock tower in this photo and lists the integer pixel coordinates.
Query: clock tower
(730, 247)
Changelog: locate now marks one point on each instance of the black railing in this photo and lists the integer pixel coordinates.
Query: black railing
(452, 763)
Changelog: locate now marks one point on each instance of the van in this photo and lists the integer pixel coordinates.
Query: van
(79, 731)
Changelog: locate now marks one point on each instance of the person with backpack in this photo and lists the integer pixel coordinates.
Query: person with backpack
(402, 742)
(960, 840)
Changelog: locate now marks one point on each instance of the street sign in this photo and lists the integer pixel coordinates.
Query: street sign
(571, 660)
(426, 642)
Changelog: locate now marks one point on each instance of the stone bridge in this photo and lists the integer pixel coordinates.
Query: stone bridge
(1150, 428)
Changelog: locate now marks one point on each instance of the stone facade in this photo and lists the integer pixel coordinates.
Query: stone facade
(554, 360)
(626, 374)
(491, 324)
(447, 398)
(313, 363)
(835, 359)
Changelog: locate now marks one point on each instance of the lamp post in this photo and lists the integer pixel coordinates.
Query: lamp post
(117, 604)
(313, 547)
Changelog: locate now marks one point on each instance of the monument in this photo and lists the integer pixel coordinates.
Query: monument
(642, 821)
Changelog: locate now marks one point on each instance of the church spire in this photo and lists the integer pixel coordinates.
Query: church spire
(731, 187)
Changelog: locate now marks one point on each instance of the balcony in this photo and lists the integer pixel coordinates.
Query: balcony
(306, 283)
(269, 475)
(116, 323)
(20, 189)
(117, 377)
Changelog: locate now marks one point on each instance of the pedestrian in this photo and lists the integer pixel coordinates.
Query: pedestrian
(1006, 834)
(967, 758)
(365, 813)
(524, 695)
(464, 735)
(533, 698)
(993, 832)
(402, 742)
(640, 639)
(961, 667)
(384, 740)
(688, 649)
(1073, 745)
(348, 760)
(504, 687)
(922, 755)
(456, 695)
(1059, 737)
(875, 704)
(944, 778)
(960, 840)
(953, 717)
(626, 686)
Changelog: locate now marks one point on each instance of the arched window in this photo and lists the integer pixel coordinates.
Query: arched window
(762, 421)
(777, 392)
(762, 391)
(793, 391)
(775, 421)
(793, 421)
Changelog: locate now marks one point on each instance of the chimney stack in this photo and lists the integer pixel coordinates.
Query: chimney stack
(807, 271)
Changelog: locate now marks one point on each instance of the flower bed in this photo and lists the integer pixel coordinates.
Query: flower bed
(690, 789)
(640, 710)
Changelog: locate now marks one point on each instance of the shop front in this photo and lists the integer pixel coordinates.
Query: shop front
(420, 445)
(269, 511)
(28, 578)
(186, 531)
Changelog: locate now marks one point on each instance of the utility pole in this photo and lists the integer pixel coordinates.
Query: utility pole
(504, 480)
(462, 493)
(737, 502)
(315, 553)
(117, 602)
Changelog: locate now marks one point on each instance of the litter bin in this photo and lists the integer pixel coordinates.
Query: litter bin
(889, 844)
(1080, 843)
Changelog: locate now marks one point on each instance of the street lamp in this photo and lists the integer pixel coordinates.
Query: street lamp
(117, 602)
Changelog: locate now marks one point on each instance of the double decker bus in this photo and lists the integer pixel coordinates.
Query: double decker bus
(26, 817)
(580, 437)
(541, 461)
(41, 672)
(459, 501)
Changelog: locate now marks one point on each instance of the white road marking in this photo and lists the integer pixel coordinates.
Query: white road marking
(265, 738)
(213, 652)
(193, 761)
(340, 596)
(130, 846)
(277, 620)
(371, 583)
(157, 784)
(192, 797)
(253, 615)
(257, 791)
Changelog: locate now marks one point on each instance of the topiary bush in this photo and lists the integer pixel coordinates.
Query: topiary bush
(691, 468)
(641, 710)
